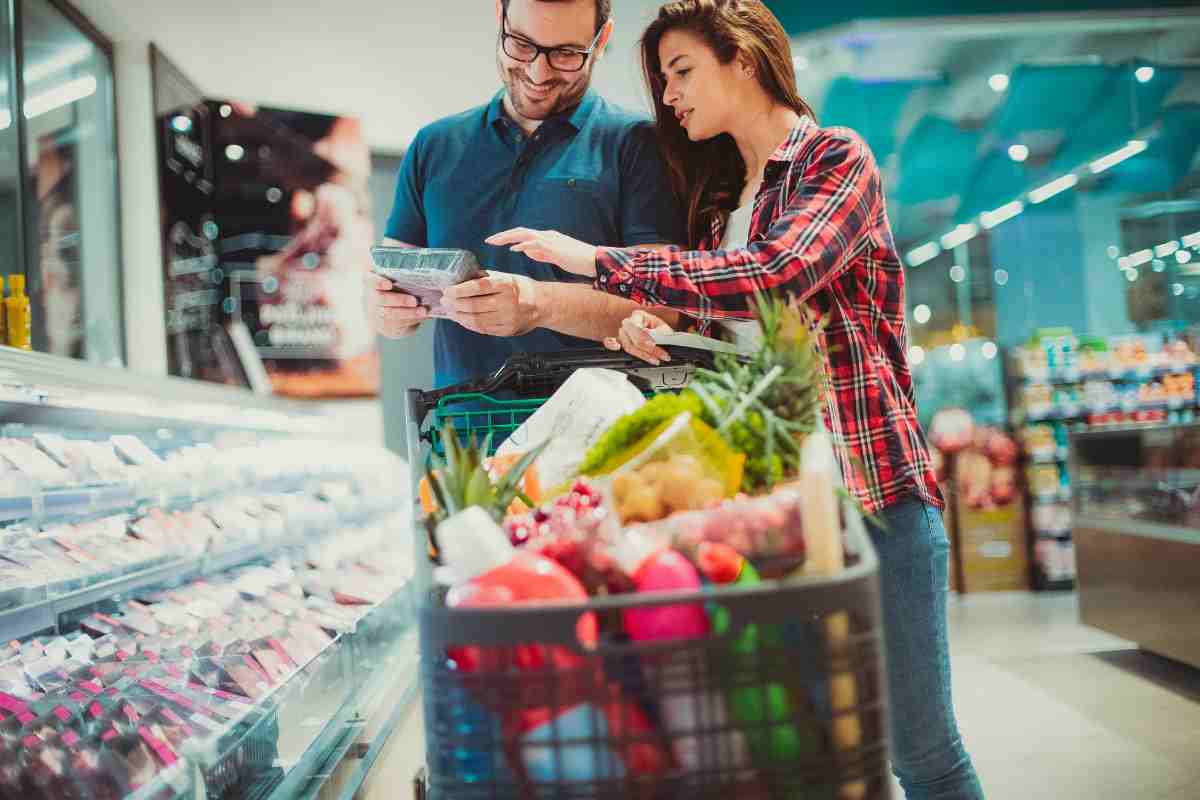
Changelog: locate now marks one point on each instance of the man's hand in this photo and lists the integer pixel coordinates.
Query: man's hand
(392, 314)
(498, 304)
(634, 337)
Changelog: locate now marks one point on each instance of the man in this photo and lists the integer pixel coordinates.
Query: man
(546, 152)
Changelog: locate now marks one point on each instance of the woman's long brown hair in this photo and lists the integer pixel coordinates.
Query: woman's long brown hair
(708, 177)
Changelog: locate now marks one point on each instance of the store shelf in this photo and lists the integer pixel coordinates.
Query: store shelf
(51, 391)
(43, 613)
(1080, 376)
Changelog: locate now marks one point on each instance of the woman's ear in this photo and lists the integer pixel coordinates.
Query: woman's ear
(745, 67)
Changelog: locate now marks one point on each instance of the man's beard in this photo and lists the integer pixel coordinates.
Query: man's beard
(569, 93)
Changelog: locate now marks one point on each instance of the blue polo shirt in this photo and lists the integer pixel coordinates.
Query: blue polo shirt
(594, 173)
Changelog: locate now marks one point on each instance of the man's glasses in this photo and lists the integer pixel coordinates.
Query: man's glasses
(563, 59)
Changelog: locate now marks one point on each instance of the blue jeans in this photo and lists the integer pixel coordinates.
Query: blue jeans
(927, 751)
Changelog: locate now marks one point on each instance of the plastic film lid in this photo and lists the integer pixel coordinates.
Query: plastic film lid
(471, 544)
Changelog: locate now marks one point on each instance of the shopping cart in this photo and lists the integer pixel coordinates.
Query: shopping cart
(788, 701)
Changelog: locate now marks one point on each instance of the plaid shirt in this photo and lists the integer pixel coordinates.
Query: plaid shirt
(819, 232)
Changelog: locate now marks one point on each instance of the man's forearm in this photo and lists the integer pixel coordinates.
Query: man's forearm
(577, 309)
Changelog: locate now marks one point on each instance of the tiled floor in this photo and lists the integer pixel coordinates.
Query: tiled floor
(1050, 709)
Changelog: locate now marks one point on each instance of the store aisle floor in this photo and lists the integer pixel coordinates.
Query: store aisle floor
(1050, 709)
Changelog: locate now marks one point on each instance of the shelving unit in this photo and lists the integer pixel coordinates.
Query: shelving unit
(1069, 410)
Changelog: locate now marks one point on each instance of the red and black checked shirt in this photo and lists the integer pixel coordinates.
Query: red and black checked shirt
(819, 232)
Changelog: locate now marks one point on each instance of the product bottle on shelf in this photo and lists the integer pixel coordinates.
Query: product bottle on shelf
(568, 741)
(695, 719)
(17, 314)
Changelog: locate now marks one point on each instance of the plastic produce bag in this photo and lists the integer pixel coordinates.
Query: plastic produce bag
(574, 417)
(682, 465)
(425, 273)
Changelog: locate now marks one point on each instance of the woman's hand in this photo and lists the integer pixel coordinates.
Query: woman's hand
(550, 247)
(634, 337)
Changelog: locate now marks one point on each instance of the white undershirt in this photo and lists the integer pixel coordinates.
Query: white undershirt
(746, 333)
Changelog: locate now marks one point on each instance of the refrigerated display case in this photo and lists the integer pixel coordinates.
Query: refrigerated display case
(203, 593)
(1137, 534)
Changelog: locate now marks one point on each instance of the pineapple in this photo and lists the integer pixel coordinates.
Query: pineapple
(460, 480)
(765, 407)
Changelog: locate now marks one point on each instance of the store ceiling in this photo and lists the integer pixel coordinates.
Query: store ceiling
(396, 65)
(1066, 92)
(918, 89)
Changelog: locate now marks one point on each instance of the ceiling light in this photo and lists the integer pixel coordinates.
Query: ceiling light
(1113, 251)
(1158, 265)
(1177, 289)
(1191, 240)
(1166, 248)
(957, 274)
(998, 82)
(1001, 277)
(916, 355)
(1144, 74)
(1045, 192)
(234, 152)
(922, 313)
(919, 255)
(1117, 156)
(989, 350)
(1018, 152)
(61, 95)
(1183, 256)
(1139, 258)
(957, 352)
(5, 118)
(990, 219)
(1131, 274)
(960, 235)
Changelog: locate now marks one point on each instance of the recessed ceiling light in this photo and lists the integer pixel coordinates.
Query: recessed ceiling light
(1144, 74)
(998, 82)
(1018, 152)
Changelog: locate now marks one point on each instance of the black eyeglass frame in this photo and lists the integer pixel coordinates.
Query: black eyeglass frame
(547, 51)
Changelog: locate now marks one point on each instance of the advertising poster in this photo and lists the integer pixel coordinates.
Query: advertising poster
(266, 218)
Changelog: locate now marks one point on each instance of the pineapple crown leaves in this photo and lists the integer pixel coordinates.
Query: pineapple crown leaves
(460, 480)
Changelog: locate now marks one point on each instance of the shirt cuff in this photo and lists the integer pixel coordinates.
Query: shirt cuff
(615, 273)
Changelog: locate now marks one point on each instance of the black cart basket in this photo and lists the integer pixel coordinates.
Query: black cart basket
(786, 701)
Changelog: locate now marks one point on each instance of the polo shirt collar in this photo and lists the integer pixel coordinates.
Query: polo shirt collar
(577, 118)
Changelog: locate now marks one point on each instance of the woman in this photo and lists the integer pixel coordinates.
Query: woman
(774, 202)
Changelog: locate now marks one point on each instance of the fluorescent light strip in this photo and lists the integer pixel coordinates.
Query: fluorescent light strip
(960, 235)
(1117, 156)
(61, 95)
(1191, 240)
(5, 118)
(990, 219)
(1140, 257)
(1166, 248)
(1044, 193)
(926, 252)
